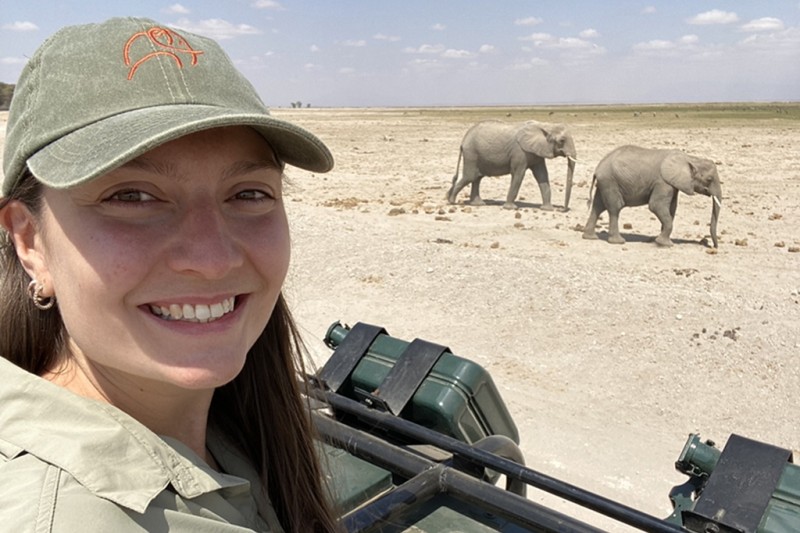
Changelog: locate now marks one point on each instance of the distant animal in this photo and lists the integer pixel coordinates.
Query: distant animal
(496, 148)
(631, 176)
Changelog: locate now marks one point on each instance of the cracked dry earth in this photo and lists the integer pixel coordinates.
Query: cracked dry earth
(607, 356)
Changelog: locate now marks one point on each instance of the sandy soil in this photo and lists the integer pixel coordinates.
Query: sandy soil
(607, 356)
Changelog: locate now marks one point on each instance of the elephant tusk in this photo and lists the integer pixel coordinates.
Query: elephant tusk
(716, 201)
(572, 159)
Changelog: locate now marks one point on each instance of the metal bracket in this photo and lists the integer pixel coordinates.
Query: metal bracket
(739, 489)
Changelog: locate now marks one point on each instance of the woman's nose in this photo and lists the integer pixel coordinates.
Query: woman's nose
(204, 245)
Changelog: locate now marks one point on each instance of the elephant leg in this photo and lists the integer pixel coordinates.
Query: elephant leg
(597, 209)
(664, 209)
(475, 193)
(469, 176)
(614, 202)
(542, 179)
(517, 175)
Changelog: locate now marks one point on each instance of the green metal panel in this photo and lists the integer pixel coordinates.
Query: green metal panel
(458, 398)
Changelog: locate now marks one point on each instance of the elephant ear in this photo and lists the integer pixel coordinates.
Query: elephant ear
(678, 171)
(534, 139)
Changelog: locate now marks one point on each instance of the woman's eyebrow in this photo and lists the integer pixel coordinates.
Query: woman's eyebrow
(167, 169)
(245, 167)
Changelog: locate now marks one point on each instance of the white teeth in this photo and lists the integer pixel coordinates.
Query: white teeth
(194, 313)
(202, 312)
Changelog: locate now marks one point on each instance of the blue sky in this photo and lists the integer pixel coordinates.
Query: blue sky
(447, 52)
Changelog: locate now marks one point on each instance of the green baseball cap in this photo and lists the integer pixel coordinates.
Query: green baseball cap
(95, 96)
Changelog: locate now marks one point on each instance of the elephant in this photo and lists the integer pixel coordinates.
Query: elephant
(496, 148)
(632, 175)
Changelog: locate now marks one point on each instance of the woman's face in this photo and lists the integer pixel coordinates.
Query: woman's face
(167, 269)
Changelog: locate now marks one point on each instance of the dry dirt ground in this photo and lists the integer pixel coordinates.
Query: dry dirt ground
(607, 356)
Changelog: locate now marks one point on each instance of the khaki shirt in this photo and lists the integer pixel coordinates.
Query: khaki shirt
(71, 464)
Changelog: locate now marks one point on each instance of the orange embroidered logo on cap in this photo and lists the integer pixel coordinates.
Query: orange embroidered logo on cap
(167, 43)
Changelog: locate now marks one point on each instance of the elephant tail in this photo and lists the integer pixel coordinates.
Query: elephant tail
(450, 196)
(458, 165)
(591, 190)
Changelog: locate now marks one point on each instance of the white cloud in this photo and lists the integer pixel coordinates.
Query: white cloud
(538, 38)
(354, 43)
(21, 26)
(267, 4)
(382, 37)
(763, 24)
(426, 49)
(589, 33)
(12, 60)
(347, 70)
(530, 64)
(438, 27)
(486, 49)
(451, 53)
(649, 10)
(654, 45)
(786, 41)
(528, 21)
(217, 28)
(177, 9)
(314, 48)
(715, 16)
(683, 45)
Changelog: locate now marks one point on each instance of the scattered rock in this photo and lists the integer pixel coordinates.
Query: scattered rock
(712, 251)
(627, 225)
(517, 215)
(519, 225)
(494, 245)
(398, 211)
(775, 216)
(793, 249)
(442, 219)
(443, 241)
(780, 244)
(740, 242)
(732, 334)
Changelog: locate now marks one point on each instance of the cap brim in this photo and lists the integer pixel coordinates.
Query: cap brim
(100, 147)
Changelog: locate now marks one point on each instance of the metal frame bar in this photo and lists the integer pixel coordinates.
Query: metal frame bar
(407, 465)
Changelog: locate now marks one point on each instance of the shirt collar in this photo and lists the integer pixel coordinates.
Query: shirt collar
(104, 449)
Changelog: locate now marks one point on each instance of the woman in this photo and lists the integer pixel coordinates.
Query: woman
(150, 371)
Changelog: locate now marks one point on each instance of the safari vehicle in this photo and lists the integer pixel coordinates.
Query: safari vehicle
(417, 439)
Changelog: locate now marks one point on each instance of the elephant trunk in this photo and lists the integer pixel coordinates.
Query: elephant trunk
(570, 172)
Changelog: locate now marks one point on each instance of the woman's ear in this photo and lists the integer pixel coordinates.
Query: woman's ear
(23, 231)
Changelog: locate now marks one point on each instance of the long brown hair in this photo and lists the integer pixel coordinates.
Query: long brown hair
(262, 411)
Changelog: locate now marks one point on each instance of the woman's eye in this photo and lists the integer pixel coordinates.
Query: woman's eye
(252, 195)
(131, 196)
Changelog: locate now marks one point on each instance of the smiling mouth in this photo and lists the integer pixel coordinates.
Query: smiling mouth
(200, 313)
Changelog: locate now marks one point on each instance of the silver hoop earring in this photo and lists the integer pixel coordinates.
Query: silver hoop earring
(35, 292)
